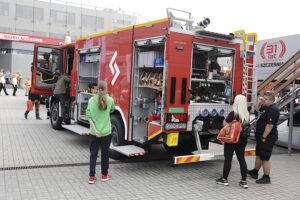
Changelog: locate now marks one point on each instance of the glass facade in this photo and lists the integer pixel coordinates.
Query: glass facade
(56, 18)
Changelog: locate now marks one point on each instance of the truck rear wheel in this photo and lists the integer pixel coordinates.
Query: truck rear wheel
(54, 117)
(117, 138)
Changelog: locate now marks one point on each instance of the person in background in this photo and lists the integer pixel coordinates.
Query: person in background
(45, 61)
(7, 77)
(15, 84)
(2, 84)
(94, 89)
(60, 91)
(35, 98)
(27, 86)
(266, 135)
(98, 112)
(240, 113)
(68, 39)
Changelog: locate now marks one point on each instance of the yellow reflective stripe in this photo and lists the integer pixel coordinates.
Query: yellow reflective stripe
(154, 135)
(122, 29)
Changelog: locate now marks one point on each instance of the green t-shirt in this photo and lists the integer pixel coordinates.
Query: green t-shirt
(101, 118)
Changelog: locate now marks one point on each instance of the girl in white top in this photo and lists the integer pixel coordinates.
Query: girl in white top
(2, 84)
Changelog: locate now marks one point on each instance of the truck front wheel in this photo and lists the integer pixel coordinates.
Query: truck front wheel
(54, 117)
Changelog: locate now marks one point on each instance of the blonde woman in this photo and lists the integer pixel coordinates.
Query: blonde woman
(98, 112)
(240, 113)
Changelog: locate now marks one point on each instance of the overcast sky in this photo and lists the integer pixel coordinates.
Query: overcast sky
(268, 18)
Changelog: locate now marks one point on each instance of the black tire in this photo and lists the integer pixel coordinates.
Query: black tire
(117, 138)
(55, 120)
(186, 145)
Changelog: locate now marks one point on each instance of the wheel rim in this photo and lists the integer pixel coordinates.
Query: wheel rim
(115, 138)
(54, 114)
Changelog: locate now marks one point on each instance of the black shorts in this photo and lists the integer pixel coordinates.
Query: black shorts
(264, 149)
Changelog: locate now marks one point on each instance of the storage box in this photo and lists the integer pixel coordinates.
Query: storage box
(147, 59)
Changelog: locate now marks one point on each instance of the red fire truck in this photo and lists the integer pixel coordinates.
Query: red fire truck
(172, 82)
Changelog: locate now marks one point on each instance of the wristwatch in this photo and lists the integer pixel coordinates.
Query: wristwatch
(263, 139)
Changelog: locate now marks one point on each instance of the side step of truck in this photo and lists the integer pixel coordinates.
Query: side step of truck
(129, 150)
(81, 130)
(205, 156)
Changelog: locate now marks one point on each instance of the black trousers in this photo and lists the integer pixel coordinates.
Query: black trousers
(239, 150)
(95, 144)
(2, 86)
(15, 89)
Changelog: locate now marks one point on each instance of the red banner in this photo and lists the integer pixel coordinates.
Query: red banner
(29, 38)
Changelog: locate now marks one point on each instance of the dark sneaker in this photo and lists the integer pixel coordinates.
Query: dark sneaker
(25, 116)
(252, 174)
(222, 181)
(264, 180)
(92, 179)
(38, 118)
(244, 184)
(105, 178)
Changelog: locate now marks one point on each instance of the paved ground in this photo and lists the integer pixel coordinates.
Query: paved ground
(37, 162)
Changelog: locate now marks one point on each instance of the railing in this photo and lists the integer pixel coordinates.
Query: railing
(282, 74)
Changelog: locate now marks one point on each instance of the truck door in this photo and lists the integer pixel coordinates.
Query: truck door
(47, 59)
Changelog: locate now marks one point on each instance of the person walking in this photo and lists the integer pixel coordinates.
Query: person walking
(35, 98)
(241, 114)
(98, 112)
(2, 84)
(7, 76)
(266, 135)
(15, 84)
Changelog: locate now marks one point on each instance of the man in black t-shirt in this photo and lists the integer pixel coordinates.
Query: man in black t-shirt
(266, 135)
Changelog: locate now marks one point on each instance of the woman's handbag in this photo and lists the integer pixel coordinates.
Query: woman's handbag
(231, 132)
(29, 105)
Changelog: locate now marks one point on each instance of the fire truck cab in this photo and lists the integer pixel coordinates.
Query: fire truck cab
(172, 82)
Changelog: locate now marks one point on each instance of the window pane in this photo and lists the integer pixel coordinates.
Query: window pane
(39, 14)
(24, 31)
(100, 22)
(58, 16)
(88, 21)
(57, 35)
(4, 9)
(24, 12)
(71, 18)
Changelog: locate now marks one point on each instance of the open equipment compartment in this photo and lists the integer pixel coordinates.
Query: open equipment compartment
(148, 75)
(211, 74)
(88, 73)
